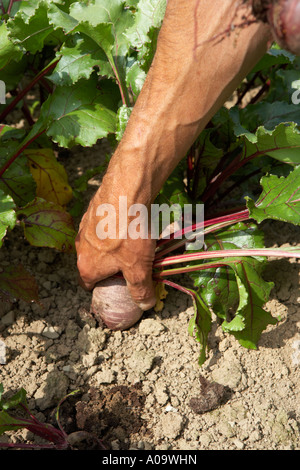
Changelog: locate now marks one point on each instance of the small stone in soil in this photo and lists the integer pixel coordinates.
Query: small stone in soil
(2, 352)
(212, 396)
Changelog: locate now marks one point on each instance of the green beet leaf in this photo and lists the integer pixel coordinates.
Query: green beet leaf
(80, 114)
(59, 18)
(30, 26)
(78, 58)
(8, 50)
(149, 15)
(47, 224)
(236, 292)
(200, 324)
(279, 200)
(17, 399)
(250, 320)
(7, 214)
(123, 116)
(219, 287)
(135, 78)
(106, 23)
(282, 143)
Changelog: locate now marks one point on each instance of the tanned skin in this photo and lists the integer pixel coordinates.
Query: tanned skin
(195, 70)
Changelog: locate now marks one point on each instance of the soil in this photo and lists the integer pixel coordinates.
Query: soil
(143, 388)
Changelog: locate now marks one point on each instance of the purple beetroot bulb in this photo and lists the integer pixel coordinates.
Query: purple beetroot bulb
(112, 303)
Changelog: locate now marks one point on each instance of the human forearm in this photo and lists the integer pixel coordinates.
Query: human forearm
(196, 68)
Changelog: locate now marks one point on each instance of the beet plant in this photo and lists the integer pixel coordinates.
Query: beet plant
(15, 414)
(85, 63)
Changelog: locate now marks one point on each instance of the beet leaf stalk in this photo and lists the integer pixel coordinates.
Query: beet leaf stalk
(189, 257)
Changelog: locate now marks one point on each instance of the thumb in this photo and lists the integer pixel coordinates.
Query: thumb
(141, 288)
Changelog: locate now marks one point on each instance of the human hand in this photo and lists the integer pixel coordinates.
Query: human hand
(98, 259)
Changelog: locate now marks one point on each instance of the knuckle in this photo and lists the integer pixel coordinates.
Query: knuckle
(83, 267)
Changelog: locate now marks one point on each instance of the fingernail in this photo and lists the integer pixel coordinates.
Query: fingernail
(147, 304)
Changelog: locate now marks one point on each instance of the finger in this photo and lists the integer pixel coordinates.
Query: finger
(85, 285)
(92, 270)
(141, 287)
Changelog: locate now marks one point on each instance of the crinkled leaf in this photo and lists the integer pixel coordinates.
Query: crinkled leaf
(78, 58)
(106, 23)
(279, 200)
(50, 176)
(17, 283)
(144, 32)
(8, 50)
(39, 23)
(47, 224)
(92, 16)
(30, 26)
(80, 114)
(59, 18)
(282, 143)
(7, 214)
(149, 14)
(249, 319)
(115, 31)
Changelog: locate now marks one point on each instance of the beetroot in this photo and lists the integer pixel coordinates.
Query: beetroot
(112, 303)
